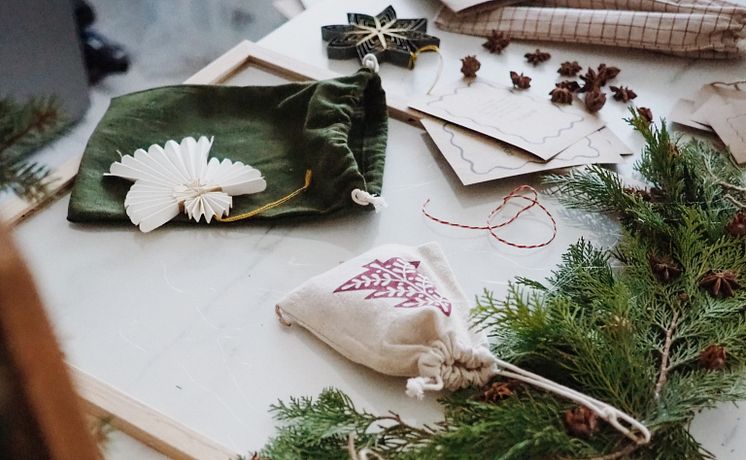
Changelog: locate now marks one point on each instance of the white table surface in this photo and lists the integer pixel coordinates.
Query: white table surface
(183, 318)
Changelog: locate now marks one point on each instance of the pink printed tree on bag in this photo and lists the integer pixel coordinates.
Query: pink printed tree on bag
(397, 278)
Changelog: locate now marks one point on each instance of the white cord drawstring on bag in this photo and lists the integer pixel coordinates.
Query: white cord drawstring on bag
(364, 198)
(370, 61)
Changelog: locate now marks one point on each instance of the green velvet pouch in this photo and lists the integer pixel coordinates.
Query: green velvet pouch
(335, 128)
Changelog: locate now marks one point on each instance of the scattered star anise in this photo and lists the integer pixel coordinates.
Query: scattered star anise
(572, 85)
(712, 357)
(520, 81)
(594, 100)
(537, 57)
(664, 268)
(497, 42)
(606, 73)
(569, 69)
(590, 81)
(496, 391)
(646, 114)
(737, 226)
(580, 422)
(561, 95)
(469, 66)
(720, 283)
(623, 93)
(638, 192)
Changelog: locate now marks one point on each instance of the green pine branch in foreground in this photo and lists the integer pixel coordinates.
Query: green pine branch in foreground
(23, 129)
(655, 327)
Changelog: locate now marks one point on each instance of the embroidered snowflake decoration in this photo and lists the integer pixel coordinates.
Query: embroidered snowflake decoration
(179, 177)
(397, 278)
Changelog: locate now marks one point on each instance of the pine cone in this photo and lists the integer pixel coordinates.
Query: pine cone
(572, 85)
(713, 357)
(537, 57)
(561, 95)
(594, 100)
(469, 66)
(622, 93)
(496, 391)
(665, 269)
(569, 69)
(497, 42)
(520, 81)
(720, 283)
(581, 422)
(737, 226)
(606, 73)
(646, 114)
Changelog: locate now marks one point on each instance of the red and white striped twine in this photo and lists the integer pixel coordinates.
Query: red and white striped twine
(517, 192)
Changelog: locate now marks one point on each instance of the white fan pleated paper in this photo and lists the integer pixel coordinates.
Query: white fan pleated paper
(179, 176)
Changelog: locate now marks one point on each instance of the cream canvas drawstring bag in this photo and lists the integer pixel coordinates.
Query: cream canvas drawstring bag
(399, 310)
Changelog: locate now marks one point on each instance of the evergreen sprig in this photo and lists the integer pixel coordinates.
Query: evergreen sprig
(630, 326)
(23, 129)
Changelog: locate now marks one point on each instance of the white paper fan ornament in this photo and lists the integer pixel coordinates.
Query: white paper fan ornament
(178, 176)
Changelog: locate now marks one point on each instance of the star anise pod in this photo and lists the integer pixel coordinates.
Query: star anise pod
(712, 357)
(720, 283)
(496, 391)
(623, 93)
(646, 114)
(469, 66)
(590, 81)
(520, 81)
(737, 226)
(664, 268)
(561, 95)
(497, 42)
(606, 73)
(571, 85)
(569, 69)
(537, 57)
(580, 422)
(594, 100)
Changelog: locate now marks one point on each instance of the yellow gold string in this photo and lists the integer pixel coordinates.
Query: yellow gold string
(271, 205)
(428, 48)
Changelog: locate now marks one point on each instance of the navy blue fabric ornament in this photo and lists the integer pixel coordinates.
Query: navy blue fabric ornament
(385, 36)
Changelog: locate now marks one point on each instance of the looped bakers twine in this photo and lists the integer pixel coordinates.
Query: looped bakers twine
(516, 193)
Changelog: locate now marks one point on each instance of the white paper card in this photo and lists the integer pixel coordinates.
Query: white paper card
(519, 118)
(477, 158)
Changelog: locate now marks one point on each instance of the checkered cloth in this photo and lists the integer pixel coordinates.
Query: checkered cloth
(692, 28)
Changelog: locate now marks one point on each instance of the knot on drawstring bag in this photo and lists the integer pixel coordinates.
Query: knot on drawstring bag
(370, 61)
(364, 198)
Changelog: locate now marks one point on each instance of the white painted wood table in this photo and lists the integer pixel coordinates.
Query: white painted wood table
(183, 318)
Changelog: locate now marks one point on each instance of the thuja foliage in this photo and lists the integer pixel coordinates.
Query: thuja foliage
(23, 129)
(655, 327)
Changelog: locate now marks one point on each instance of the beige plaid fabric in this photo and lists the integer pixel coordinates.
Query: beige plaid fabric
(693, 28)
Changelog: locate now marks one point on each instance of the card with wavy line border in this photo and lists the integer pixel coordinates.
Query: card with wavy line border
(519, 118)
(477, 158)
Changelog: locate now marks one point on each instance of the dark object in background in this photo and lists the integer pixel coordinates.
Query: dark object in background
(40, 54)
(102, 56)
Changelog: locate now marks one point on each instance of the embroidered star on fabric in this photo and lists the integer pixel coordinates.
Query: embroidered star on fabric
(383, 35)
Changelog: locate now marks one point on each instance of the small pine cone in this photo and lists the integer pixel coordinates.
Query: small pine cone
(571, 85)
(520, 81)
(594, 100)
(590, 81)
(469, 66)
(606, 73)
(665, 269)
(646, 114)
(561, 95)
(712, 357)
(497, 42)
(537, 57)
(496, 391)
(622, 93)
(569, 69)
(580, 422)
(720, 284)
(737, 226)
